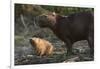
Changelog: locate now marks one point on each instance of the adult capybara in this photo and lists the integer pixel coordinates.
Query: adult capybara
(42, 47)
(70, 28)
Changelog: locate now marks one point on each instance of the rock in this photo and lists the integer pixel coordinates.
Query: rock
(73, 59)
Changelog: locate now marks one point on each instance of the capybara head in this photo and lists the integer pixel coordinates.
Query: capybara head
(47, 20)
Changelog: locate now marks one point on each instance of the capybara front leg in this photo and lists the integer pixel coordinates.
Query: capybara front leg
(69, 47)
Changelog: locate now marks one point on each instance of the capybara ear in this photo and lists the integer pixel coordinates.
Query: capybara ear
(54, 14)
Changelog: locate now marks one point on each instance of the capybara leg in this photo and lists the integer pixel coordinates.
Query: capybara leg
(91, 45)
(69, 47)
(42, 52)
(38, 52)
(69, 50)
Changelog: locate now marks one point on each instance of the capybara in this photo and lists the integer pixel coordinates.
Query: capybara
(71, 28)
(42, 47)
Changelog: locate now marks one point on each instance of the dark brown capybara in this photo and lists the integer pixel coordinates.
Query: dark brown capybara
(71, 28)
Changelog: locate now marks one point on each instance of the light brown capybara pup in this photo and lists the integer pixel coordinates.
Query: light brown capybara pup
(42, 47)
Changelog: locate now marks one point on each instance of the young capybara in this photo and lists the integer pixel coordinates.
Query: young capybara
(42, 47)
(70, 28)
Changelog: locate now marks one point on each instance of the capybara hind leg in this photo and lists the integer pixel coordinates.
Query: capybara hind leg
(91, 45)
(69, 47)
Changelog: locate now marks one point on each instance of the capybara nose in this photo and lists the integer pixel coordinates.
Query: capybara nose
(30, 39)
